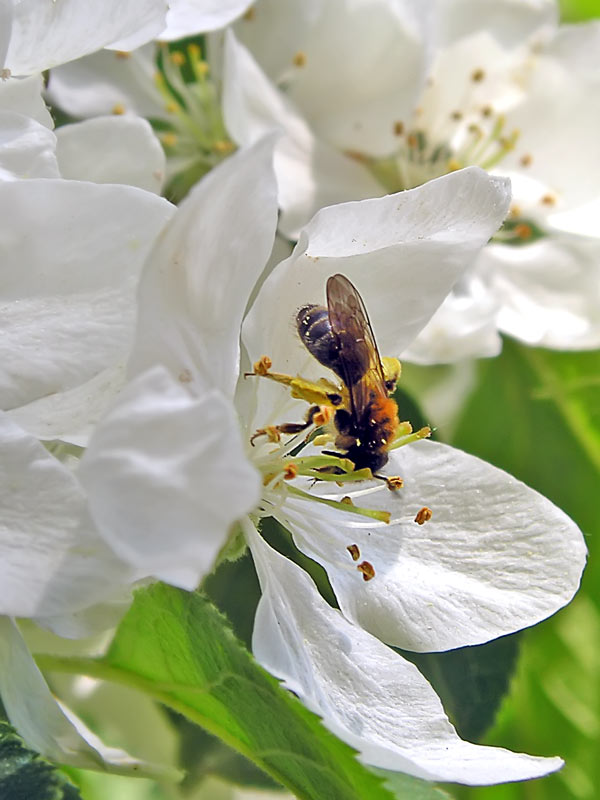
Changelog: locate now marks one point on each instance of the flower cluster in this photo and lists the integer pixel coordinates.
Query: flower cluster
(154, 386)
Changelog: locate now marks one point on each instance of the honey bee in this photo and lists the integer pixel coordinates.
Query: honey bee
(341, 338)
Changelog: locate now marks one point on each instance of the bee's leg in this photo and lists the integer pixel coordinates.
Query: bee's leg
(316, 415)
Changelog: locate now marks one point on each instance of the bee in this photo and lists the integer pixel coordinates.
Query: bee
(341, 338)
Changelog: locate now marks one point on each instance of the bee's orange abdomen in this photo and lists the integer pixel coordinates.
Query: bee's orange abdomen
(383, 412)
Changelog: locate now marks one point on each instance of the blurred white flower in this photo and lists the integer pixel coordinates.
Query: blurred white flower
(385, 96)
(172, 475)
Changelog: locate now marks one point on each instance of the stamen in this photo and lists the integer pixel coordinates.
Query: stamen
(526, 160)
(367, 570)
(262, 366)
(118, 109)
(290, 471)
(548, 200)
(394, 483)
(354, 551)
(323, 416)
(398, 128)
(477, 75)
(347, 501)
(372, 513)
(423, 516)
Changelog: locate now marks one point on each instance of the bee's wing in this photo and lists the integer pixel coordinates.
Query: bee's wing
(358, 356)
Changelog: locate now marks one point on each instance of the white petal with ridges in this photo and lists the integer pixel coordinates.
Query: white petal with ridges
(198, 279)
(366, 694)
(52, 561)
(167, 477)
(68, 292)
(24, 95)
(496, 556)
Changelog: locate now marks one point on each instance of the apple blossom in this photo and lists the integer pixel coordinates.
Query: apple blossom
(386, 97)
(175, 475)
(73, 242)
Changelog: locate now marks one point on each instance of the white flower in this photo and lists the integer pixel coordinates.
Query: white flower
(55, 569)
(73, 250)
(188, 17)
(386, 97)
(171, 473)
(36, 36)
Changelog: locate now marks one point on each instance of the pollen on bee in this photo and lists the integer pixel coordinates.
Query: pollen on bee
(290, 471)
(354, 551)
(323, 415)
(423, 515)
(367, 570)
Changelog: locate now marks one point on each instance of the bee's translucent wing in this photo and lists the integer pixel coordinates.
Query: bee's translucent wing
(360, 364)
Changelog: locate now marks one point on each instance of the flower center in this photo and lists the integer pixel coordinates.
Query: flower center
(194, 136)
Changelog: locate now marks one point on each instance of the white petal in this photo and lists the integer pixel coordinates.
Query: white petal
(512, 22)
(73, 252)
(188, 17)
(24, 95)
(496, 556)
(562, 96)
(44, 35)
(108, 82)
(125, 150)
(71, 415)
(366, 694)
(463, 327)
(27, 149)
(167, 477)
(198, 279)
(548, 291)
(351, 94)
(310, 173)
(404, 252)
(52, 561)
(45, 726)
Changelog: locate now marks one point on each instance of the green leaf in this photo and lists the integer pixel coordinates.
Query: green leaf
(202, 755)
(25, 775)
(579, 10)
(536, 414)
(407, 786)
(471, 681)
(178, 648)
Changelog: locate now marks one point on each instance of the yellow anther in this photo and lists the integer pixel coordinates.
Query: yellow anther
(171, 107)
(299, 59)
(526, 160)
(515, 211)
(354, 551)
(262, 366)
(367, 570)
(347, 501)
(290, 471)
(404, 428)
(394, 483)
(423, 516)
(122, 54)
(548, 200)
(477, 75)
(456, 115)
(250, 14)
(487, 111)
(424, 432)
(223, 146)
(169, 139)
(453, 164)
(523, 231)
(398, 128)
(118, 109)
(177, 58)
(194, 50)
